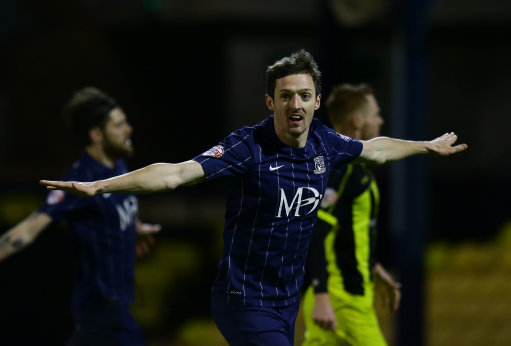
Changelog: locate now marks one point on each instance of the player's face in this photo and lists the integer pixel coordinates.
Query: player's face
(293, 104)
(372, 120)
(117, 135)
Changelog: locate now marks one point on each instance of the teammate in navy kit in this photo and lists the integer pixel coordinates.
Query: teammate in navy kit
(276, 174)
(104, 228)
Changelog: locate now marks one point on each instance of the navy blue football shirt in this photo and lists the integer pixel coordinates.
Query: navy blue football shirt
(273, 194)
(103, 230)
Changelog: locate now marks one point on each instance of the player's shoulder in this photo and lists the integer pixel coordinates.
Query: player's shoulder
(264, 125)
(319, 129)
(326, 131)
(120, 167)
(249, 134)
(335, 139)
(78, 170)
(321, 133)
(83, 169)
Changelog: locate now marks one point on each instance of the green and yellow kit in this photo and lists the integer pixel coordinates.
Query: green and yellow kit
(341, 259)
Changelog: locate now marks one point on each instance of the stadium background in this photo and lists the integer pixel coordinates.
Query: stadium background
(189, 72)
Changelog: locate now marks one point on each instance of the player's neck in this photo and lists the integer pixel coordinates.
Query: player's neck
(293, 141)
(290, 139)
(98, 154)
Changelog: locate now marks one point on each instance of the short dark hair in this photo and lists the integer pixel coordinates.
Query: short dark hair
(346, 99)
(298, 62)
(87, 108)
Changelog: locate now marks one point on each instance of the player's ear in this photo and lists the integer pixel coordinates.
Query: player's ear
(95, 134)
(318, 102)
(269, 102)
(357, 120)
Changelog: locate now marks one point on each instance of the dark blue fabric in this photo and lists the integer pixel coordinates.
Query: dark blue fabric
(108, 327)
(254, 326)
(104, 235)
(273, 193)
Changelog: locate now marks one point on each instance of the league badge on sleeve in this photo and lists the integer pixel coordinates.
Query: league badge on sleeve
(216, 151)
(55, 197)
(331, 197)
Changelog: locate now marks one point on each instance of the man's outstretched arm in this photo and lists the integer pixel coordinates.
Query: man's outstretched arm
(24, 233)
(152, 178)
(384, 149)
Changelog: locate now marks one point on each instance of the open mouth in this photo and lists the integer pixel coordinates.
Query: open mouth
(296, 115)
(295, 118)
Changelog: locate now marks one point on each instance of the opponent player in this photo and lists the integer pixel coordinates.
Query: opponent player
(104, 228)
(338, 307)
(276, 172)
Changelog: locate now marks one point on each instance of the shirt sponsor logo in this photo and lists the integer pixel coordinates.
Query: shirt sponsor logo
(299, 201)
(127, 212)
(319, 165)
(216, 151)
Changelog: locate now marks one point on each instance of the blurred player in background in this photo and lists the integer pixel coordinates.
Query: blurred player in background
(338, 306)
(276, 174)
(104, 228)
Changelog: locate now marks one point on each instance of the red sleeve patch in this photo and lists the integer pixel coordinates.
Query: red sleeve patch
(216, 151)
(55, 196)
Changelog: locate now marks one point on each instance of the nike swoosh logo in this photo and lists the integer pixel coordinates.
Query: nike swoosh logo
(275, 168)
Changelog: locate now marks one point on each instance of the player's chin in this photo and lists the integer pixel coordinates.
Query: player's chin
(297, 130)
(126, 151)
(129, 152)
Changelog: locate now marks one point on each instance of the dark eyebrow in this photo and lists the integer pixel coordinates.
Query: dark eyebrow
(298, 91)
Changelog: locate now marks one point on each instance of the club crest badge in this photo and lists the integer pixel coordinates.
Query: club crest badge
(319, 165)
(216, 151)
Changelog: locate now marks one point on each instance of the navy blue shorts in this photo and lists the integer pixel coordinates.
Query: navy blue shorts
(115, 327)
(250, 325)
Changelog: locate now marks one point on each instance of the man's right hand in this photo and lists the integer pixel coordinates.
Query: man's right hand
(323, 313)
(78, 188)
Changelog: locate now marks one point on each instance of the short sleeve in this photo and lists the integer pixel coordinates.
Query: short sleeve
(343, 149)
(59, 204)
(229, 158)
